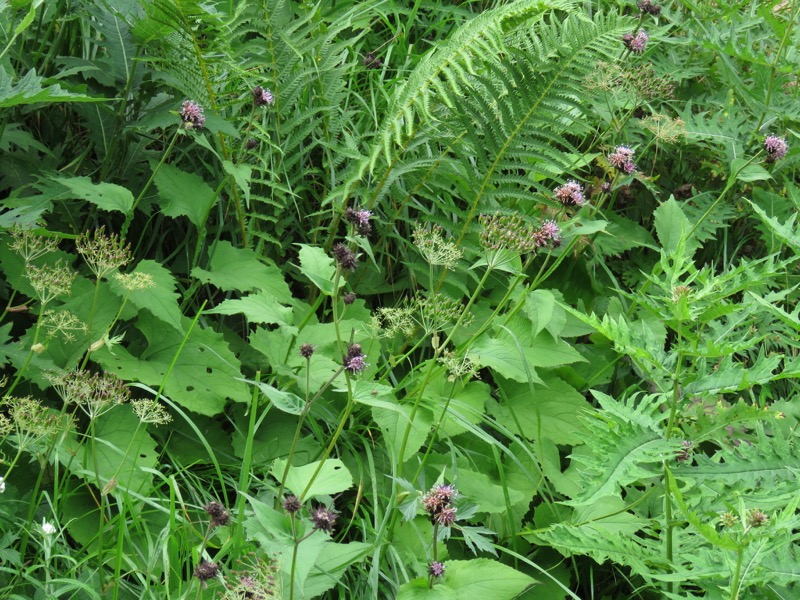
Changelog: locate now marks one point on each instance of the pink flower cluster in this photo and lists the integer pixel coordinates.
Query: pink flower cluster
(622, 159)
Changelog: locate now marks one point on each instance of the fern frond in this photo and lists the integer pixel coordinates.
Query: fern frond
(444, 72)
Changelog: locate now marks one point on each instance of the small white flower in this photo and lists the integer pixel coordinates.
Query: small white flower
(47, 528)
(2, 485)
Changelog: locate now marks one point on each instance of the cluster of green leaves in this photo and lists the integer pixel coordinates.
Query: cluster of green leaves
(616, 408)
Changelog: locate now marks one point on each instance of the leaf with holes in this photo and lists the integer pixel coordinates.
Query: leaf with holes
(205, 373)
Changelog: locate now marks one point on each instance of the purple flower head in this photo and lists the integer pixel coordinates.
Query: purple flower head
(775, 147)
(355, 360)
(361, 219)
(570, 194)
(622, 159)
(371, 61)
(219, 516)
(551, 231)
(349, 298)
(636, 43)
(206, 570)
(345, 257)
(436, 569)
(438, 498)
(262, 96)
(192, 114)
(648, 8)
(306, 350)
(605, 187)
(291, 504)
(447, 516)
(324, 519)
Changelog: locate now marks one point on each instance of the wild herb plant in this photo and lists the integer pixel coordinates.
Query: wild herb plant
(399, 300)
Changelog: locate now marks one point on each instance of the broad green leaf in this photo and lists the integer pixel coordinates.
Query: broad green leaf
(547, 351)
(610, 515)
(543, 311)
(272, 530)
(551, 410)
(418, 589)
(242, 270)
(395, 421)
(121, 452)
(504, 356)
(29, 90)
(478, 578)
(205, 373)
(464, 402)
(748, 172)
(184, 194)
(283, 401)
(331, 564)
(671, 225)
(161, 299)
(261, 307)
(319, 268)
(331, 478)
(107, 196)
(489, 495)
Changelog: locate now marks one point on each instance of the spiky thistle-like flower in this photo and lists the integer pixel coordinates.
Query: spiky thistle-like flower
(263, 96)
(636, 43)
(219, 515)
(757, 518)
(548, 235)
(291, 504)
(436, 569)
(306, 350)
(355, 361)
(622, 159)
(192, 115)
(360, 218)
(206, 570)
(371, 61)
(570, 194)
(647, 7)
(437, 503)
(775, 147)
(346, 258)
(324, 519)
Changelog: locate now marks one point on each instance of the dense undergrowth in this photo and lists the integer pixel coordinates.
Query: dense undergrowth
(395, 299)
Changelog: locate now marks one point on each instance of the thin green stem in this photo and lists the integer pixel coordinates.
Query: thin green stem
(129, 217)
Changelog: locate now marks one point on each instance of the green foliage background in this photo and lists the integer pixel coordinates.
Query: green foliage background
(617, 409)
